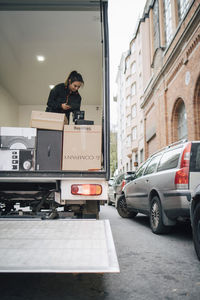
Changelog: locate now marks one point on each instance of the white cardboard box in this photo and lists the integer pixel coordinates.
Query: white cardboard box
(82, 147)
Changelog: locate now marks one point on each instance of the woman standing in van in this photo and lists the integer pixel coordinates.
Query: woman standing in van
(64, 97)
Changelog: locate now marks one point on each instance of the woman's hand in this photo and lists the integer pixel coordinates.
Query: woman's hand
(65, 106)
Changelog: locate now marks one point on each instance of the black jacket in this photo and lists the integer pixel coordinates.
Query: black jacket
(61, 94)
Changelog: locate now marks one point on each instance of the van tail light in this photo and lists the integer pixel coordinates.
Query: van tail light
(182, 175)
(86, 189)
(123, 184)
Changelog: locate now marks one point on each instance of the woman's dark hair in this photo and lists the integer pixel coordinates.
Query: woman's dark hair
(74, 76)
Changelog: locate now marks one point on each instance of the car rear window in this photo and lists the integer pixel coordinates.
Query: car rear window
(195, 158)
(169, 159)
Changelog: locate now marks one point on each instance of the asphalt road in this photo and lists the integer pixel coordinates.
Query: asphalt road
(152, 267)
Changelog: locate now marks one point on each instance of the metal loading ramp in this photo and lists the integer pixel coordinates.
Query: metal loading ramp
(66, 246)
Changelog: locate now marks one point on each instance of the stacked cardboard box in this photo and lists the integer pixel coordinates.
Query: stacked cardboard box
(81, 143)
(48, 120)
(82, 147)
(57, 146)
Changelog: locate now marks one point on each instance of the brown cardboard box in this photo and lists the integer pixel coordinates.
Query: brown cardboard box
(48, 120)
(82, 147)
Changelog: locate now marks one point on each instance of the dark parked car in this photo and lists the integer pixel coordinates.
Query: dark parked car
(116, 185)
(195, 219)
(195, 201)
(162, 187)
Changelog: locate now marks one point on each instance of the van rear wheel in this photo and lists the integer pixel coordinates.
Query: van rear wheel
(123, 210)
(196, 229)
(156, 219)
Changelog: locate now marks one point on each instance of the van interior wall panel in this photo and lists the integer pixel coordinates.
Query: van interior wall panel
(66, 47)
(9, 111)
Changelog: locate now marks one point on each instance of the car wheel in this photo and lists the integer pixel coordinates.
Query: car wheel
(196, 229)
(156, 220)
(122, 208)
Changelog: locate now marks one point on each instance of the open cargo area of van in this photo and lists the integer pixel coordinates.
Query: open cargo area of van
(54, 173)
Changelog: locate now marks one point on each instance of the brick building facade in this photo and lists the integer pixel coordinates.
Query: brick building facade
(171, 101)
(167, 78)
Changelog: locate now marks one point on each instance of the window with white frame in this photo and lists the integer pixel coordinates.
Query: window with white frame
(183, 6)
(133, 89)
(128, 81)
(168, 21)
(140, 80)
(128, 141)
(131, 164)
(133, 67)
(128, 121)
(140, 59)
(128, 62)
(134, 111)
(128, 101)
(138, 37)
(141, 127)
(156, 34)
(182, 122)
(134, 133)
(133, 47)
(141, 155)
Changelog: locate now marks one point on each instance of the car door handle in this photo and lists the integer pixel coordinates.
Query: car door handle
(147, 180)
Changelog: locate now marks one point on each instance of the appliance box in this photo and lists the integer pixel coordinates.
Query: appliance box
(49, 150)
(17, 138)
(82, 147)
(48, 120)
(17, 160)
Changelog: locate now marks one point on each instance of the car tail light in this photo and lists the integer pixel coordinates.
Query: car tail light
(123, 184)
(86, 189)
(182, 175)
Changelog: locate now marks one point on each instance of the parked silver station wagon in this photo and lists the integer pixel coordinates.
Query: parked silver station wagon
(162, 186)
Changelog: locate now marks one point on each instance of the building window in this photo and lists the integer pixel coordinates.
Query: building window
(141, 128)
(168, 21)
(128, 81)
(140, 59)
(133, 89)
(182, 122)
(133, 47)
(141, 155)
(128, 141)
(131, 163)
(134, 133)
(156, 35)
(134, 111)
(133, 67)
(183, 6)
(128, 101)
(140, 80)
(128, 62)
(128, 121)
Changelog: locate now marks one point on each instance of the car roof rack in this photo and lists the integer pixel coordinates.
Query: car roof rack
(169, 146)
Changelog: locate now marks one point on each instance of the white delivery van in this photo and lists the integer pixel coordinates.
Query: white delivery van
(48, 215)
